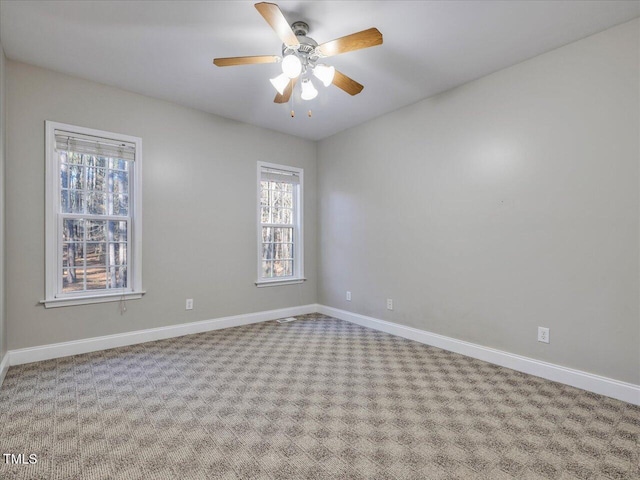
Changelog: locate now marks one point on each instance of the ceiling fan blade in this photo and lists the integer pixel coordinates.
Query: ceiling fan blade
(286, 94)
(230, 61)
(355, 41)
(274, 17)
(347, 84)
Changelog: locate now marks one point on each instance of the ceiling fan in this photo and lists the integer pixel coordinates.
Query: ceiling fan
(302, 56)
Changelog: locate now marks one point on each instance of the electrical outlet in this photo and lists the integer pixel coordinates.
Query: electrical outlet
(348, 296)
(389, 304)
(189, 305)
(543, 334)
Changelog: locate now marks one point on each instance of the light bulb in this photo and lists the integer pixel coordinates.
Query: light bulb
(309, 92)
(291, 66)
(280, 83)
(324, 73)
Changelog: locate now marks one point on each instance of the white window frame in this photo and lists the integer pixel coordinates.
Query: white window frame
(53, 225)
(298, 229)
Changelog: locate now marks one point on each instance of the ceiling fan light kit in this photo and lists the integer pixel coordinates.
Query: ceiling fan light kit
(324, 73)
(300, 56)
(291, 66)
(309, 92)
(280, 82)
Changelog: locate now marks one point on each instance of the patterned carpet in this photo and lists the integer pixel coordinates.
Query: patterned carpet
(318, 398)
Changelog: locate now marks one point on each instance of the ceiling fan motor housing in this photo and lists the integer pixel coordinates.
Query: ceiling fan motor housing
(300, 28)
(307, 45)
(306, 50)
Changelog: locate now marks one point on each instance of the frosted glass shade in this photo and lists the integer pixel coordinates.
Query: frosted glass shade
(309, 92)
(280, 83)
(324, 73)
(291, 66)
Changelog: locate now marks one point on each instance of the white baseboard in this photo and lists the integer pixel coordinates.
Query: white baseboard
(626, 392)
(4, 367)
(57, 350)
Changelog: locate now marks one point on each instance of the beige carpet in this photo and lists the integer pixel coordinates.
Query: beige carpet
(318, 398)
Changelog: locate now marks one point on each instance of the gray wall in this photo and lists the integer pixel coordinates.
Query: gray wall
(505, 204)
(3, 329)
(199, 214)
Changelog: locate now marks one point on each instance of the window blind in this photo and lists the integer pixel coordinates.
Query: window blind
(274, 175)
(90, 145)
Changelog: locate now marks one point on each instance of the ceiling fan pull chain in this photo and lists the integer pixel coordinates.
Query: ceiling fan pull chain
(293, 113)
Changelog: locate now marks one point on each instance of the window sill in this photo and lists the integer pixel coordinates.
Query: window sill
(277, 283)
(86, 300)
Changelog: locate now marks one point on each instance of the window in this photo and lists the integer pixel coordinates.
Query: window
(280, 245)
(93, 233)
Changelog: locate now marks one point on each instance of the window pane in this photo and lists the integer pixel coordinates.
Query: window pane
(277, 269)
(93, 161)
(287, 200)
(267, 234)
(118, 231)
(118, 277)
(287, 216)
(96, 278)
(71, 158)
(118, 182)
(264, 196)
(276, 215)
(267, 269)
(71, 176)
(95, 254)
(96, 230)
(264, 215)
(96, 179)
(284, 235)
(96, 203)
(72, 201)
(72, 279)
(117, 254)
(118, 204)
(283, 251)
(282, 268)
(288, 267)
(86, 251)
(118, 164)
(72, 255)
(73, 230)
(277, 199)
(267, 251)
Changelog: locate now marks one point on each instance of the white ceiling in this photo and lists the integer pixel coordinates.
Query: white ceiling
(164, 49)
